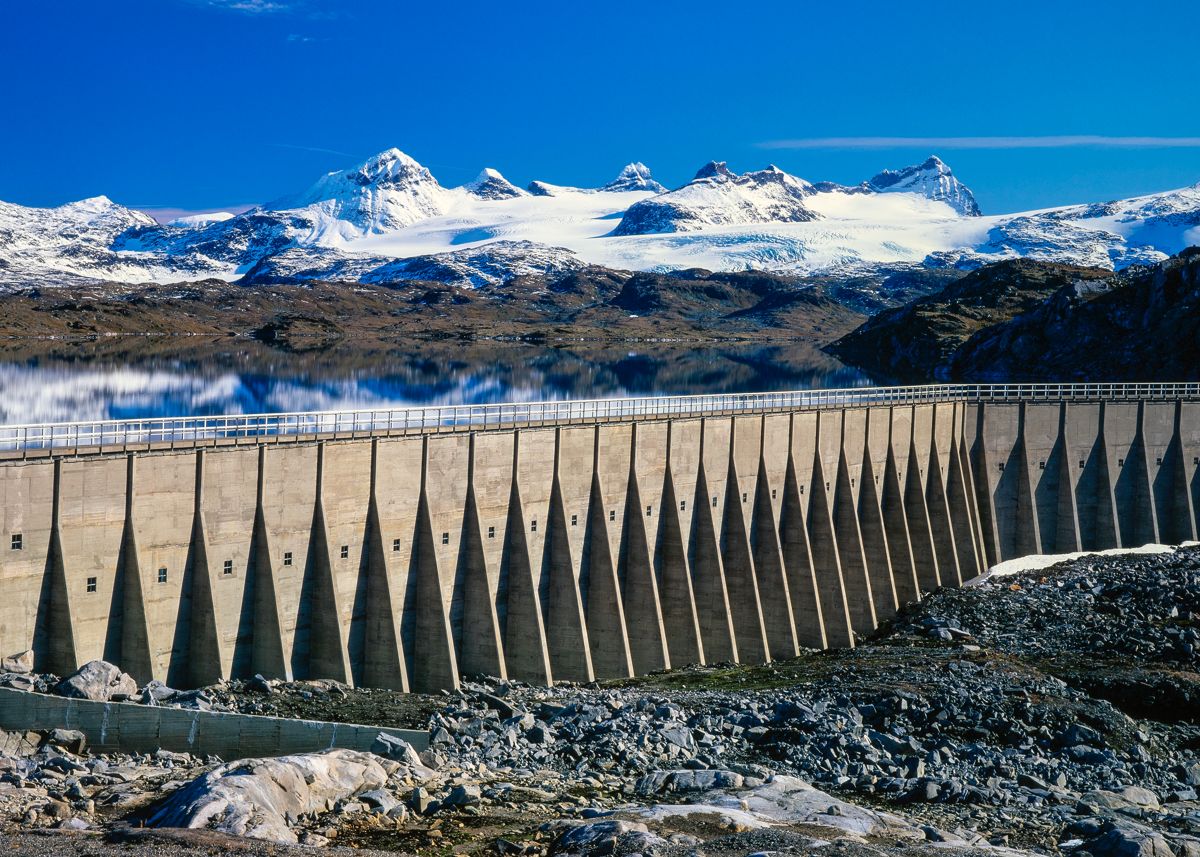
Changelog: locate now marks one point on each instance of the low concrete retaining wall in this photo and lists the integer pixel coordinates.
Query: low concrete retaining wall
(127, 727)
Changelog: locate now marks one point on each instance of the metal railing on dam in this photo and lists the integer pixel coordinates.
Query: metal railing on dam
(123, 435)
(561, 540)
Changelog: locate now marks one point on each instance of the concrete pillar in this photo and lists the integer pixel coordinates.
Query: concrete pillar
(607, 634)
(704, 555)
(1168, 481)
(766, 551)
(525, 645)
(680, 618)
(937, 476)
(566, 623)
(396, 496)
(1126, 452)
(891, 502)
(1189, 437)
(981, 466)
(876, 430)
(289, 497)
(911, 475)
(736, 554)
(206, 660)
(434, 660)
(797, 552)
(1008, 481)
(228, 491)
(960, 498)
(485, 526)
(160, 566)
(29, 577)
(845, 469)
(822, 537)
(338, 595)
(1086, 465)
(643, 511)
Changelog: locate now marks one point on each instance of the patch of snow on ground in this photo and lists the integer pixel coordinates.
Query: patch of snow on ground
(1036, 562)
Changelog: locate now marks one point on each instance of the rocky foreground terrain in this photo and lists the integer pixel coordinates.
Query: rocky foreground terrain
(1052, 711)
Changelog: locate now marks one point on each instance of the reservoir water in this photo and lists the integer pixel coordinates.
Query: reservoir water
(132, 378)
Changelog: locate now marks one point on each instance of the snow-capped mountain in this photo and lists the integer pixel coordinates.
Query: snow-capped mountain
(932, 180)
(389, 219)
(635, 176)
(386, 193)
(719, 197)
(489, 184)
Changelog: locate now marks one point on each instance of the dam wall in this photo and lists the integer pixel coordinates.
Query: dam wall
(590, 546)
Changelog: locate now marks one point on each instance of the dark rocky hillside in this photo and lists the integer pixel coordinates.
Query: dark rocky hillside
(1038, 321)
(918, 341)
(588, 304)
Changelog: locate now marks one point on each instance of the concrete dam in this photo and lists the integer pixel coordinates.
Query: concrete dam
(565, 540)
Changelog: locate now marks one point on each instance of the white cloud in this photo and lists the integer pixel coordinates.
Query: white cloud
(1060, 141)
(249, 7)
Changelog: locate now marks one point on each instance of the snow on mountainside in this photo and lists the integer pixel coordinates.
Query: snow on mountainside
(932, 180)
(719, 197)
(390, 219)
(489, 184)
(387, 192)
(490, 265)
(635, 176)
(195, 220)
(59, 245)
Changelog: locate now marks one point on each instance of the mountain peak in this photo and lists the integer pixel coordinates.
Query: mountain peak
(933, 179)
(715, 170)
(389, 190)
(389, 167)
(490, 184)
(634, 176)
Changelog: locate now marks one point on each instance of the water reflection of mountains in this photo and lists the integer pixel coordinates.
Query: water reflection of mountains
(115, 379)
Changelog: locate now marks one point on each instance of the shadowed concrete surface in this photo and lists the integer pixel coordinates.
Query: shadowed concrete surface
(592, 549)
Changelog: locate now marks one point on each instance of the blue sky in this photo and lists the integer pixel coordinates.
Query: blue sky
(201, 104)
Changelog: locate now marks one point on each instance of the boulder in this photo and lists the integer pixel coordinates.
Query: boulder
(1130, 841)
(98, 681)
(606, 837)
(658, 782)
(259, 798)
(21, 662)
(396, 749)
(70, 739)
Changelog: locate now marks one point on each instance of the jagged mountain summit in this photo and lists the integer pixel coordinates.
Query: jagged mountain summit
(635, 176)
(489, 184)
(718, 197)
(932, 180)
(389, 217)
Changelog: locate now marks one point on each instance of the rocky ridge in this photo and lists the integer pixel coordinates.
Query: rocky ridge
(1042, 322)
